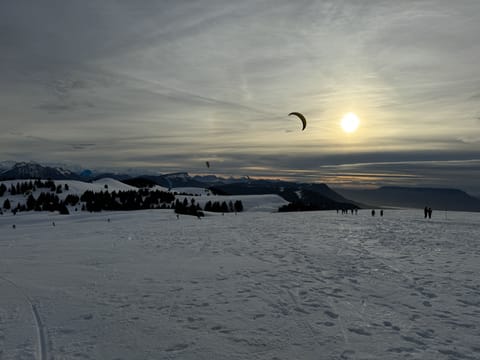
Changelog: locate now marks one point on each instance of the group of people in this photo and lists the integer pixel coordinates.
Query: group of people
(373, 212)
(427, 212)
(345, 211)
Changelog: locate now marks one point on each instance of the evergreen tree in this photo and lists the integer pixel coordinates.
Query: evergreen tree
(208, 206)
(238, 206)
(31, 202)
(224, 207)
(6, 204)
(63, 209)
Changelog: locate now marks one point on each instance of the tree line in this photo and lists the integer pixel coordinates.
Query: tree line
(193, 208)
(23, 188)
(91, 201)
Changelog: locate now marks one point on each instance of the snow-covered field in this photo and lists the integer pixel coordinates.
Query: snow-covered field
(258, 285)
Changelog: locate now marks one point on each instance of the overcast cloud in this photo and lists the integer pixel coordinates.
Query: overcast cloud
(167, 85)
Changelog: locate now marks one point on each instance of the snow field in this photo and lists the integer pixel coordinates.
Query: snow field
(253, 286)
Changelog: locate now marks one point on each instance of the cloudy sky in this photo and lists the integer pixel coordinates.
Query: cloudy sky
(166, 85)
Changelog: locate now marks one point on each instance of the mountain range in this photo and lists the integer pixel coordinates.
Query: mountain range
(31, 170)
(311, 196)
(418, 197)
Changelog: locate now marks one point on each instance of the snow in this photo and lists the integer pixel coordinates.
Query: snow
(79, 187)
(113, 185)
(74, 187)
(262, 203)
(190, 190)
(256, 285)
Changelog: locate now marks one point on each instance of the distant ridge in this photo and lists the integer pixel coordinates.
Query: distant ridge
(301, 195)
(94, 177)
(410, 197)
(32, 170)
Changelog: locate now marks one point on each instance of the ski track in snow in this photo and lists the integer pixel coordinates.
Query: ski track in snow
(253, 286)
(42, 345)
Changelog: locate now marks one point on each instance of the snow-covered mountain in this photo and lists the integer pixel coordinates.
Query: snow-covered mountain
(32, 170)
(6, 165)
(213, 179)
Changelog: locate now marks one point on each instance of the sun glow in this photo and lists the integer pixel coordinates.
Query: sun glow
(350, 122)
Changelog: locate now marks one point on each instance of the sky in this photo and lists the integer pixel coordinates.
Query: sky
(166, 85)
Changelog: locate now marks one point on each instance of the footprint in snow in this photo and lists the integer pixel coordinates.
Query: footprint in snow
(331, 314)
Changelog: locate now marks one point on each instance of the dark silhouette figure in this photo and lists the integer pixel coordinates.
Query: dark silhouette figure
(53, 223)
(381, 212)
(425, 212)
(13, 226)
(373, 212)
(429, 213)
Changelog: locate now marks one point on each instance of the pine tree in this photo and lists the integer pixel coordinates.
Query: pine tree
(224, 207)
(31, 202)
(6, 204)
(238, 206)
(208, 206)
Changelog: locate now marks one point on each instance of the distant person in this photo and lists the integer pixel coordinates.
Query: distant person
(53, 223)
(356, 211)
(13, 226)
(425, 212)
(429, 212)
(381, 212)
(373, 212)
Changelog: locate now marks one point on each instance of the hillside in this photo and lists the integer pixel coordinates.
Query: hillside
(405, 197)
(305, 196)
(200, 196)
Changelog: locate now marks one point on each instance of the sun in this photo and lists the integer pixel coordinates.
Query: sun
(350, 122)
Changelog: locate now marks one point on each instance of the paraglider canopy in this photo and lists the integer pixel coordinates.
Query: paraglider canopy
(301, 117)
